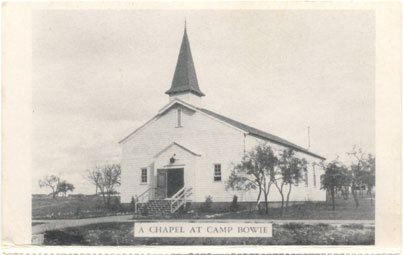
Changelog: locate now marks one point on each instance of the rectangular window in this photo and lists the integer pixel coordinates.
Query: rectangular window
(217, 172)
(314, 175)
(179, 118)
(306, 177)
(143, 175)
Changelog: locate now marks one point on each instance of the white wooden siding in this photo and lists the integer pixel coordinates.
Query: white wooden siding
(215, 141)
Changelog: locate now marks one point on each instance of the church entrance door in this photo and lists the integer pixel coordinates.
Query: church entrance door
(169, 181)
(175, 181)
(161, 192)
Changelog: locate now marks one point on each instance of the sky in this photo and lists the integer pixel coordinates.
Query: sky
(100, 74)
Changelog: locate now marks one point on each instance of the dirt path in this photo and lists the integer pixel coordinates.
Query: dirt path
(58, 224)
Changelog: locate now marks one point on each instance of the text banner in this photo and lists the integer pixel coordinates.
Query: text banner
(202, 229)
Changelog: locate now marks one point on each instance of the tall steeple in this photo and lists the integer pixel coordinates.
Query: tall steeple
(184, 84)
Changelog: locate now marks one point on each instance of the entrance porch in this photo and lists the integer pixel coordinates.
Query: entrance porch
(169, 182)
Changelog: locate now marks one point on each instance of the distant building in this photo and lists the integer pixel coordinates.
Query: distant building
(187, 146)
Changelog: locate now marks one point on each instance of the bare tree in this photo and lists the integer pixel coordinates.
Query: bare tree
(50, 181)
(95, 176)
(106, 178)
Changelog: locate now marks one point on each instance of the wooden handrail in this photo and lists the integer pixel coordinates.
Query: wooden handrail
(179, 198)
(137, 198)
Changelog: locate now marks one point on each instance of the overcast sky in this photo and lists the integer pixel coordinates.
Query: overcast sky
(98, 75)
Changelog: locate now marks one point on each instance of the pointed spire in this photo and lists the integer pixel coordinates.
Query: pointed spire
(185, 79)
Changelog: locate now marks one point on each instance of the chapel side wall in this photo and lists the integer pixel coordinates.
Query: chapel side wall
(301, 192)
(199, 133)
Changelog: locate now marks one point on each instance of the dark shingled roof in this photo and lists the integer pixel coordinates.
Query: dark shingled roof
(258, 133)
(185, 79)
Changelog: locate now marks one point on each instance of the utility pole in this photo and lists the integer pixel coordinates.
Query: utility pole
(309, 138)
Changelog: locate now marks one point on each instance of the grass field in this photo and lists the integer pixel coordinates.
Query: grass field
(345, 210)
(283, 234)
(92, 206)
(73, 207)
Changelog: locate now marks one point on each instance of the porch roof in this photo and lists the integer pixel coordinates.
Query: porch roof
(180, 146)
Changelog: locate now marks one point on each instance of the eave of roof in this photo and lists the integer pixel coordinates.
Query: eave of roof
(180, 146)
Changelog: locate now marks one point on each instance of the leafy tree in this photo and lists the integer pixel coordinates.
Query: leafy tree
(346, 183)
(257, 170)
(290, 173)
(363, 169)
(333, 179)
(368, 178)
(106, 178)
(50, 181)
(64, 187)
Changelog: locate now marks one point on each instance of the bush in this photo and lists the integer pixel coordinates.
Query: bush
(144, 210)
(132, 204)
(207, 205)
(234, 205)
(78, 211)
(184, 209)
(353, 226)
(115, 205)
(293, 226)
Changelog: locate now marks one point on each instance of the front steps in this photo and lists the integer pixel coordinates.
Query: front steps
(155, 207)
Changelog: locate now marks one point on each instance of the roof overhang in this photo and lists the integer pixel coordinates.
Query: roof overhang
(179, 146)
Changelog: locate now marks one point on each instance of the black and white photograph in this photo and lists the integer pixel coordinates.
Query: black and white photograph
(188, 127)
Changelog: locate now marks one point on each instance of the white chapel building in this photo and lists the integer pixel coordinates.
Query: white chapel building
(187, 148)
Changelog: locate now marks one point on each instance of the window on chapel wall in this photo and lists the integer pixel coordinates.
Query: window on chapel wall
(314, 175)
(143, 175)
(306, 177)
(217, 172)
(179, 118)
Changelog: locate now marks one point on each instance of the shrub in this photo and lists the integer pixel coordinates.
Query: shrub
(207, 205)
(184, 209)
(293, 226)
(78, 211)
(353, 226)
(144, 210)
(115, 205)
(234, 204)
(132, 204)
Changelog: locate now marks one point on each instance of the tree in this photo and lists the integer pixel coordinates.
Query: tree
(257, 170)
(64, 187)
(106, 178)
(95, 177)
(50, 181)
(333, 179)
(347, 181)
(368, 178)
(363, 169)
(290, 173)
